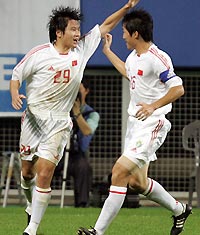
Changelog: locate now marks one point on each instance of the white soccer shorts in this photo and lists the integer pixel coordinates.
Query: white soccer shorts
(143, 138)
(45, 138)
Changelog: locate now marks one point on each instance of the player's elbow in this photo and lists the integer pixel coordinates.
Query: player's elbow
(104, 29)
(181, 91)
(177, 91)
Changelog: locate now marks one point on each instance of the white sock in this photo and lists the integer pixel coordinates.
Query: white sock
(155, 192)
(110, 208)
(40, 202)
(27, 186)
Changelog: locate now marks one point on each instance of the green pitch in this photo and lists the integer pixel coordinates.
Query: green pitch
(66, 221)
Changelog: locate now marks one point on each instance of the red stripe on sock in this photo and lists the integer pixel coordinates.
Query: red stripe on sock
(116, 192)
(151, 186)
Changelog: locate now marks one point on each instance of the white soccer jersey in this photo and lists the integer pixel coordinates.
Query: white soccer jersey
(151, 75)
(52, 79)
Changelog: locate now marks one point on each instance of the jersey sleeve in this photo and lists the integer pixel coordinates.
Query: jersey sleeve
(165, 71)
(24, 68)
(89, 42)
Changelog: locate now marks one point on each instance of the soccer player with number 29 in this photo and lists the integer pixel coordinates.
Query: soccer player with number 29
(53, 74)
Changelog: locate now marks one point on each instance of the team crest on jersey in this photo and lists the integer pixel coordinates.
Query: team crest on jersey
(74, 62)
(138, 144)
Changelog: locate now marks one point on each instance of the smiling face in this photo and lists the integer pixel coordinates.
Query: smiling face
(69, 39)
(130, 40)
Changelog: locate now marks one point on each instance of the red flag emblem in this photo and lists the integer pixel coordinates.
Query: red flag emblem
(140, 72)
(74, 62)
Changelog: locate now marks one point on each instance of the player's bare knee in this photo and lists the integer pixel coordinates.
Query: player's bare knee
(119, 176)
(27, 174)
(44, 178)
(138, 184)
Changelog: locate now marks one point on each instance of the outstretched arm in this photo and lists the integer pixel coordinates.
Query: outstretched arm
(114, 59)
(115, 18)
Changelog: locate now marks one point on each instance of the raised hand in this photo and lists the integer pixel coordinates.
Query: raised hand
(107, 41)
(132, 3)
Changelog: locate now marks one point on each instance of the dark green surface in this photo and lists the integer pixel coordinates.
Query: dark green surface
(66, 221)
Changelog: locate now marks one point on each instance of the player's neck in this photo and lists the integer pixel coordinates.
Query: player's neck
(60, 49)
(143, 47)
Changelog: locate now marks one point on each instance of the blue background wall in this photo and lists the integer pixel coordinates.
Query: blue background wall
(176, 28)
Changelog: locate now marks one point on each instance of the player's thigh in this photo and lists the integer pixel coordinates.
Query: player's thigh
(52, 148)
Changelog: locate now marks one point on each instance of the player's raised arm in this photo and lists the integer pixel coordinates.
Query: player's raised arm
(114, 59)
(114, 19)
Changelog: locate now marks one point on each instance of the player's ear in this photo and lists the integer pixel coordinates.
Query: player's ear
(136, 35)
(59, 33)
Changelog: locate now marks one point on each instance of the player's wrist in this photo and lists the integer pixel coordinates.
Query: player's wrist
(155, 106)
(106, 50)
(127, 7)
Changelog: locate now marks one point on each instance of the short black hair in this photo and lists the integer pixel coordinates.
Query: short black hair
(141, 21)
(58, 20)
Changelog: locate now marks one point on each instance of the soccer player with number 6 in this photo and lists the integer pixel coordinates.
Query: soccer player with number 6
(153, 87)
(53, 73)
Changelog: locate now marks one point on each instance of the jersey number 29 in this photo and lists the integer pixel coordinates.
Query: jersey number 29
(62, 76)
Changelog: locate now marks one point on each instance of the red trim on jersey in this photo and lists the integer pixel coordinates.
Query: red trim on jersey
(23, 116)
(159, 56)
(157, 129)
(31, 52)
(116, 192)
